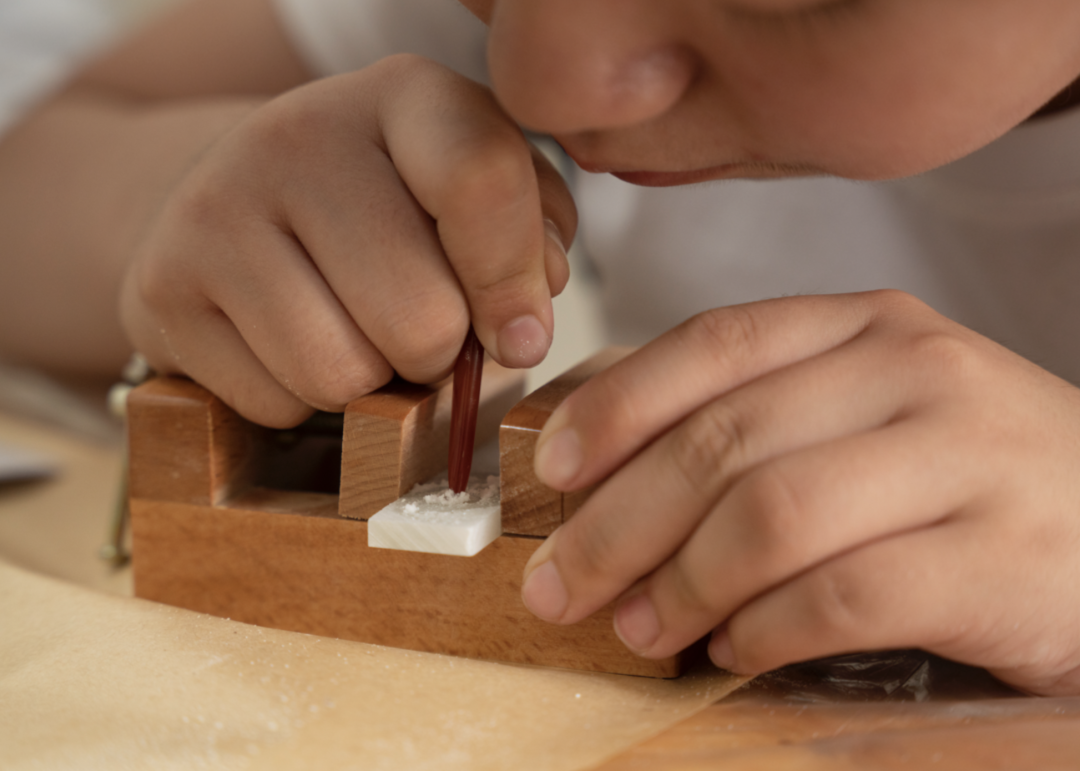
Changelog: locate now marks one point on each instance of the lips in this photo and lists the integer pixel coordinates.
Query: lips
(672, 178)
(737, 170)
(659, 178)
(743, 170)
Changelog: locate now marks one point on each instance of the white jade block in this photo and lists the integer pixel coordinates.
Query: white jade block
(432, 518)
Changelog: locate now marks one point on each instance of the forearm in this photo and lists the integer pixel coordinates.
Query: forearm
(82, 177)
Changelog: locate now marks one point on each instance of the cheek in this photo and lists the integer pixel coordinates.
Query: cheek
(862, 131)
(880, 106)
(902, 128)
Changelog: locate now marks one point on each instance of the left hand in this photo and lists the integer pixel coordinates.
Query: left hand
(817, 475)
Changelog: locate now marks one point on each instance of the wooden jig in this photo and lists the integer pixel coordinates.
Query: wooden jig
(209, 535)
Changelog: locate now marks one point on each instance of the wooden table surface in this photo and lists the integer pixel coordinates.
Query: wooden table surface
(906, 711)
(796, 720)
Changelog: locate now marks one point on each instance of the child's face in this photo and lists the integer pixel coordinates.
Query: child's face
(676, 91)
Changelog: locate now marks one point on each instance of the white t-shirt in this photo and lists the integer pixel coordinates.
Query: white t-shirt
(992, 240)
(40, 42)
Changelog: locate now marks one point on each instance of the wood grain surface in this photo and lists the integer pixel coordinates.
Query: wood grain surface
(206, 540)
(285, 560)
(763, 733)
(47, 527)
(399, 436)
(186, 445)
(528, 506)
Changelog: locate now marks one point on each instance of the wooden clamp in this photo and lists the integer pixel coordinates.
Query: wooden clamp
(208, 538)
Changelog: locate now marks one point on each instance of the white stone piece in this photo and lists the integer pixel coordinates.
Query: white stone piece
(432, 518)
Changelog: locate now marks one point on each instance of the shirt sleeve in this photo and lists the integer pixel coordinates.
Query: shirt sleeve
(337, 36)
(41, 42)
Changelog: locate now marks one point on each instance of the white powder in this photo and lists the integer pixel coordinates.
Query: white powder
(433, 518)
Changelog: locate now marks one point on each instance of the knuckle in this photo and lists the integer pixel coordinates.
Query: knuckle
(330, 379)
(422, 335)
(402, 73)
(692, 595)
(609, 406)
(261, 402)
(707, 446)
(497, 297)
(897, 301)
(405, 63)
(595, 548)
(491, 171)
(165, 281)
(306, 126)
(930, 343)
(199, 206)
(774, 518)
(946, 355)
(153, 284)
(839, 604)
(284, 128)
(755, 649)
(730, 334)
(506, 288)
(275, 413)
(348, 378)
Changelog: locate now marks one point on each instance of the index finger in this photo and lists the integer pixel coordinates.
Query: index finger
(503, 215)
(617, 413)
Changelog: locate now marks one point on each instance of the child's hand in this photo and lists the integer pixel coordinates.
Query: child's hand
(348, 229)
(815, 475)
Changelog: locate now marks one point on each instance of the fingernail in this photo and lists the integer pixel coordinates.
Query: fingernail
(558, 459)
(637, 624)
(720, 651)
(523, 342)
(544, 593)
(554, 235)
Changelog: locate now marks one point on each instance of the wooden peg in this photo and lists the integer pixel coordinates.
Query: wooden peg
(186, 445)
(528, 506)
(399, 436)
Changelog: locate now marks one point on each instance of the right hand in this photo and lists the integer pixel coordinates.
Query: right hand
(346, 230)
(809, 476)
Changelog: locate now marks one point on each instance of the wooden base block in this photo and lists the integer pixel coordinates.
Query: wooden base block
(286, 560)
(206, 539)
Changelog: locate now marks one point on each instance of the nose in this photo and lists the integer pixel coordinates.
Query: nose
(568, 66)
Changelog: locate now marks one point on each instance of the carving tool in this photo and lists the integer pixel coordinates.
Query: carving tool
(464, 408)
